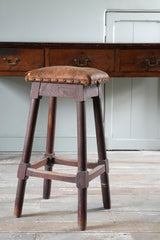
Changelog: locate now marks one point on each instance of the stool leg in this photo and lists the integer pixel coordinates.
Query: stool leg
(50, 142)
(26, 154)
(101, 150)
(82, 164)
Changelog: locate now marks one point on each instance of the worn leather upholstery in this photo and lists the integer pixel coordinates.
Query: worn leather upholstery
(67, 74)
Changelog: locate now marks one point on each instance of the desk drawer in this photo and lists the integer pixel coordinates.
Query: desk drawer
(21, 59)
(140, 60)
(102, 59)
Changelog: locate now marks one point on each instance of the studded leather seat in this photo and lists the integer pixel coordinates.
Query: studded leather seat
(65, 82)
(67, 74)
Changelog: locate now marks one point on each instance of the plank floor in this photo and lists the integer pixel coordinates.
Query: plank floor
(135, 195)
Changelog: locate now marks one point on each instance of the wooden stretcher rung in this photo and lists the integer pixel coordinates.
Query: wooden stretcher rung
(40, 163)
(51, 175)
(73, 163)
(96, 172)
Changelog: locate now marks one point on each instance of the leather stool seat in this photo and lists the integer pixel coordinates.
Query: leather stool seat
(67, 74)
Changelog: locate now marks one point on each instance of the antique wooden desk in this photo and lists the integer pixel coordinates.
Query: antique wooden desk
(118, 60)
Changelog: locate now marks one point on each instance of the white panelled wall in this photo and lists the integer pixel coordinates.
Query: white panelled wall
(78, 21)
(132, 104)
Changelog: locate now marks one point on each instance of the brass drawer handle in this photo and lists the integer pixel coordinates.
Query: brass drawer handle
(79, 64)
(9, 61)
(152, 64)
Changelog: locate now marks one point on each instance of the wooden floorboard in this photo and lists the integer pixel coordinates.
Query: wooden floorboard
(135, 195)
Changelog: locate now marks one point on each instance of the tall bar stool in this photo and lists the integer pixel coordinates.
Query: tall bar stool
(67, 82)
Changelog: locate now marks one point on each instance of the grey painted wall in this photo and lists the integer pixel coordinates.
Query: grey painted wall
(61, 21)
(51, 21)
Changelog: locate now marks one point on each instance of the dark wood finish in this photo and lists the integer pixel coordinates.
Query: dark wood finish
(50, 142)
(96, 172)
(83, 176)
(62, 90)
(101, 150)
(82, 163)
(102, 59)
(30, 130)
(61, 161)
(73, 163)
(146, 60)
(19, 197)
(26, 154)
(80, 93)
(35, 90)
(46, 56)
(91, 91)
(51, 175)
(38, 164)
(21, 174)
(20, 59)
(119, 60)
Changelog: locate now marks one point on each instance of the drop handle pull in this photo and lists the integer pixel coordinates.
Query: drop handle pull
(79, 64)
(150, 64)
(10, 62)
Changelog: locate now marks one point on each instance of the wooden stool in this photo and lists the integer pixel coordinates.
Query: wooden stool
(70, 82)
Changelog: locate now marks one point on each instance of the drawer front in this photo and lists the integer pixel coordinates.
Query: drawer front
(140, 60)
(102, 59)
(21, 59)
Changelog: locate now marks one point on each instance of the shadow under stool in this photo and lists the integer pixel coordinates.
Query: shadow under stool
(78, 83)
